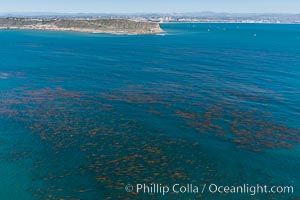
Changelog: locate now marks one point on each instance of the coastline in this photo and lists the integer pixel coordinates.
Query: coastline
(91, 31)
(82, 31)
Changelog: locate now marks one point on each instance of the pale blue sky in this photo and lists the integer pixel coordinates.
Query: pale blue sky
(129, 6)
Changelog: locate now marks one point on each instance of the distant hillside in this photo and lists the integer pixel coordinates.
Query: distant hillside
(117, 26)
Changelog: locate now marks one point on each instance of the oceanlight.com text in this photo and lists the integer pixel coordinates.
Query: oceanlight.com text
(252, 190)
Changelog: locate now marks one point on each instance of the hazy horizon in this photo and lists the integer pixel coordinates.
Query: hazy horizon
(137, 13)
(155, 6)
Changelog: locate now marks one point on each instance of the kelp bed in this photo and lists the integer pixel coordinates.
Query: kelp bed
(91, 146)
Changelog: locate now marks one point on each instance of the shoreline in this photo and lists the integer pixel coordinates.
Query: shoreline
(90, 31)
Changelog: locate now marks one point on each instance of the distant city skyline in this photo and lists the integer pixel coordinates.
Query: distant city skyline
(153, 6)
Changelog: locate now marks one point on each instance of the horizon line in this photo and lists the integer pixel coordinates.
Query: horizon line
(128, 13)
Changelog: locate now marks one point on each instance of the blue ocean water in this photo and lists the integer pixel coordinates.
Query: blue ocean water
(82, 115)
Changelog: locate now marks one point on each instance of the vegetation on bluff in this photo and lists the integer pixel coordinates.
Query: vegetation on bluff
(83, 25)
